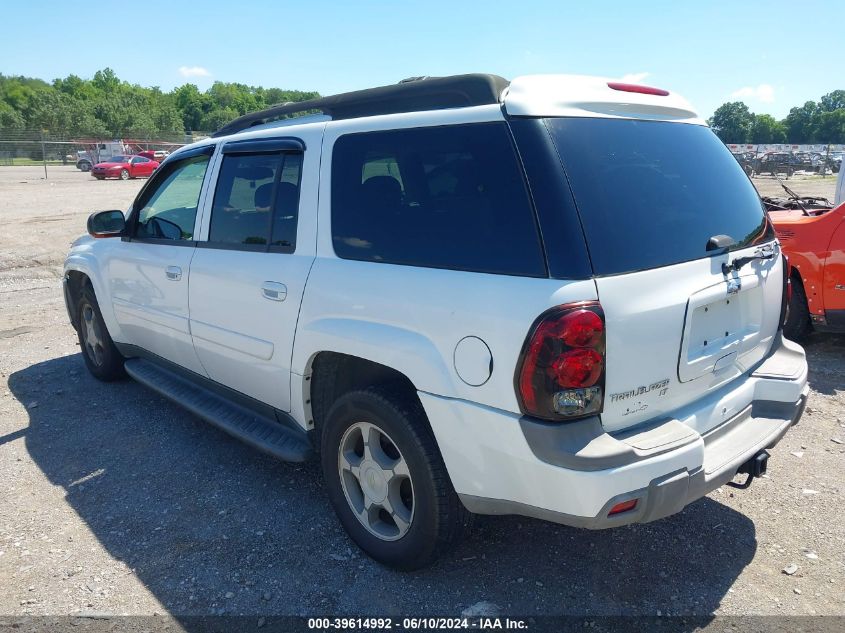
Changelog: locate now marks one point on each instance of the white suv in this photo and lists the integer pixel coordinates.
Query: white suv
(558, 297)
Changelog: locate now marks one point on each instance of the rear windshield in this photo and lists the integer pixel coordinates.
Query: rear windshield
(653, 193)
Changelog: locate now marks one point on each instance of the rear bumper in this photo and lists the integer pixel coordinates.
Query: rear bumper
(575, 473)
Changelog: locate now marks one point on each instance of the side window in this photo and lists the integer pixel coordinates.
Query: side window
(442, 197)
(285, 213)
(256, 201)
(168, 205)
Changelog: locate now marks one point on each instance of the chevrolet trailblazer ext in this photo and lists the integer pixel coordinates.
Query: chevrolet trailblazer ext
(465, 295)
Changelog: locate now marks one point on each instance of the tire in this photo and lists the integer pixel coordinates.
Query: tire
(101, 356)
(124, 174)
(422, 501)
(798, 326)
(85, 166)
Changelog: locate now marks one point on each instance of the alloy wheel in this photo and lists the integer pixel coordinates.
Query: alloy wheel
(91, 335)
(376, 481)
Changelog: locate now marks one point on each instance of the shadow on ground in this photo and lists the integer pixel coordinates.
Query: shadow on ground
(199, 515)
(824, 355)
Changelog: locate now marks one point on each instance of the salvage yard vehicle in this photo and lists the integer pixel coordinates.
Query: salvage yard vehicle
(812, 233)
(774, 163)
(97, 152)
(747, 161)
(157, 155)
(431, 288)
(124, 167)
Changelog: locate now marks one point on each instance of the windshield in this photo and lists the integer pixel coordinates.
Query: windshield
(118, 159)
(652, 193)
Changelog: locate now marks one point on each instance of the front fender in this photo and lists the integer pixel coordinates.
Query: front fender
(82, 259)
(408, 352)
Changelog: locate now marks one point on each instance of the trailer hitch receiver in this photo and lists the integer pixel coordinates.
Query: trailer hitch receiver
(754, 467)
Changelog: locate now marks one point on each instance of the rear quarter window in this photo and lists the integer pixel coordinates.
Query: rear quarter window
(652, 193)
(441, 197)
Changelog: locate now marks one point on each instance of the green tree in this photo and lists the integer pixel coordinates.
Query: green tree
(58, 113)
(192, 105)
(10, 119)
(216, 119)
(830, 126)
(832, 101)
(732, 122)
(800, 123)
(107, 106)
(235, 96)
(106, 80)
(766, 129)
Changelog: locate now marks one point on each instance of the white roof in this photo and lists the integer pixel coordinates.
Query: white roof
(585, 96)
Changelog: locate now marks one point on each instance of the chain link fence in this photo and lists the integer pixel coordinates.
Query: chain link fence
(34, 147)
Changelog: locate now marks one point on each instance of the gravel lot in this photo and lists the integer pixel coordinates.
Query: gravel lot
(113, 500)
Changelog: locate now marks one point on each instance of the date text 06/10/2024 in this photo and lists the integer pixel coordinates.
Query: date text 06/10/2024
(382, 624)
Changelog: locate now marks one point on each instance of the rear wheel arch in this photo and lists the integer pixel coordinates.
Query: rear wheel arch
(333, 374)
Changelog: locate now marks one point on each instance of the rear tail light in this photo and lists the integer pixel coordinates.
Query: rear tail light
(560, 375)
(786, 297)
(643, 90)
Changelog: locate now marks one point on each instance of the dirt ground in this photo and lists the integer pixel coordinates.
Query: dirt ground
(113, 500)
(801, 185)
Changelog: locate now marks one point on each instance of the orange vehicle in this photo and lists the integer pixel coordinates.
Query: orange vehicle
(812, 233)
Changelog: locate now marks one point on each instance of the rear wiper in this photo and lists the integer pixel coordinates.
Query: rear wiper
(792, 194)
(764, 252)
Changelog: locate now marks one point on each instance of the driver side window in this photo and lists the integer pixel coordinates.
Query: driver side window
(169, 208)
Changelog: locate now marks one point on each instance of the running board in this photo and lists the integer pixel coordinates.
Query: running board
(252, 428)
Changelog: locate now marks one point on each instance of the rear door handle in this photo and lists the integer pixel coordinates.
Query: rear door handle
(274, 291)
(173, 273)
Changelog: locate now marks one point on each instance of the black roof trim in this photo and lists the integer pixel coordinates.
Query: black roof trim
(430, 93)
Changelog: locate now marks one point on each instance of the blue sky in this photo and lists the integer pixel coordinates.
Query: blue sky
(710, 52)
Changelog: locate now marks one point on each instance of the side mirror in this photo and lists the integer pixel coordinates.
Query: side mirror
(106, 224)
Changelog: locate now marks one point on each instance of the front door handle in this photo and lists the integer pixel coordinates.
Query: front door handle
(173, 273)
(274, 290)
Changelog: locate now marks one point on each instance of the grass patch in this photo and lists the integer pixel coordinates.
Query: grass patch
(19, 161)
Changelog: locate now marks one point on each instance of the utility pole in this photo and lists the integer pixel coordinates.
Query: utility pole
(826, 161)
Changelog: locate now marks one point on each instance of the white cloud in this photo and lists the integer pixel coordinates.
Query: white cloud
(634, 78)
(194, 71)
(763, 93)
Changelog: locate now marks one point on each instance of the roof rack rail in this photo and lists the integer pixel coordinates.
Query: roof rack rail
(410, 95)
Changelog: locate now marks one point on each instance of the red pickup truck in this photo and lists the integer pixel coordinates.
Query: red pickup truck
(813, 237)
